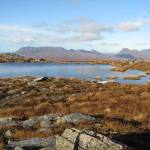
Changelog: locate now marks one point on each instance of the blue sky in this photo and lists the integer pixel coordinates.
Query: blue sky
(104, 25)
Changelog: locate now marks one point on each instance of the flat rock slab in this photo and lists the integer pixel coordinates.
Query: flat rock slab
(35, 143)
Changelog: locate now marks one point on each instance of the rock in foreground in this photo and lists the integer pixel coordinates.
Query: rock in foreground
(71, 139)
(75, 139)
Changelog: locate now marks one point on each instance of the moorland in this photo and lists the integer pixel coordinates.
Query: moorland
(119, 111)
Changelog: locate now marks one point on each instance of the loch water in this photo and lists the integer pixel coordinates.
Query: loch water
(81, 71)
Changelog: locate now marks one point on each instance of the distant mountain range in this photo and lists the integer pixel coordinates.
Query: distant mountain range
(61, 54)
(134, 54)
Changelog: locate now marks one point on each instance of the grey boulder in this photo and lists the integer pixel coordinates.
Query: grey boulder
(71, 139)
(75, 117)
(74, 139)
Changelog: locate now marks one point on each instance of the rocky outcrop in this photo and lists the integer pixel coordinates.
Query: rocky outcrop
(77, 139)
(71, 139)
(46, 119)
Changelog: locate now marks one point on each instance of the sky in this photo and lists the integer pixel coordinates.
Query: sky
(103, 25)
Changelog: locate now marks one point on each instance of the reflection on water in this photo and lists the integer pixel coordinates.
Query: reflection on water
(82, 71)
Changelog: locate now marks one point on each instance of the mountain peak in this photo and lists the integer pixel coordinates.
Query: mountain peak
(126, 50)
(135, 54)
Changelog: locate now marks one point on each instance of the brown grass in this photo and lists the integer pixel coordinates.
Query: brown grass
(126, 65)
(2, 146)
(26, 134)
(112, 100)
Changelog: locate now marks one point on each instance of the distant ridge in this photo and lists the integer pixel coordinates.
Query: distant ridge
(61, 54)
(134, 54)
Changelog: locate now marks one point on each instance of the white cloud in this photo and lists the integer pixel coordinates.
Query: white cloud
(92, 27)
(109, 44)
(23, 40)
(13, 28)
(131, 26)
(86, 25)
(78, 31)
(85, 37)
(143, 43)
(90, 30)
(63, 28)
(81, 30)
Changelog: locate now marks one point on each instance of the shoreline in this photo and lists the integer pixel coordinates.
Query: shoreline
(108, 80)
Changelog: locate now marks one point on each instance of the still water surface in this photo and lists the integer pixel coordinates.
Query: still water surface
(82, 71)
